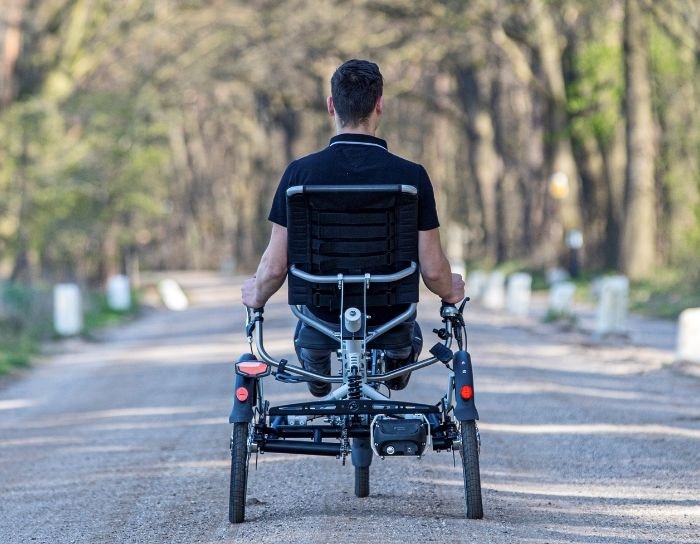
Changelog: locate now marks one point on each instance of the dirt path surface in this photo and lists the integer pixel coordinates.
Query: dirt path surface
(126, 440)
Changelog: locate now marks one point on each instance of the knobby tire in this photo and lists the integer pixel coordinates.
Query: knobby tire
(239, 473)
(470, 469)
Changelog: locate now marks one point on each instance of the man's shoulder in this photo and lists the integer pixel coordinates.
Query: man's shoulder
(311, 158)
(405, 163)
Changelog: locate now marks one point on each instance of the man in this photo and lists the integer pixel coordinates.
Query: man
(355, 156)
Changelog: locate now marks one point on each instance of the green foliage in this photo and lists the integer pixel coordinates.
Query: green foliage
(99, 315)
(163, 127)
(595, 94)
(25, 319)
(678, 166)
(15, 350)
(665, 295)
(565, 320)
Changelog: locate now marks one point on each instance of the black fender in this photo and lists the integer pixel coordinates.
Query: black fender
(361, 452)
(462, 366)
(242, 411)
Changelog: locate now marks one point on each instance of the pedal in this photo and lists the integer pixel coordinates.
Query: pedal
(288, 378)
(442, 353)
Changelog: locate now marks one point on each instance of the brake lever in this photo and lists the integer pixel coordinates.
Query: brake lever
(464, 303)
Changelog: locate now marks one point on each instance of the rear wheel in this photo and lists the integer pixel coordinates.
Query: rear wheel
(239, 472)
(470, 468)
(361, 481)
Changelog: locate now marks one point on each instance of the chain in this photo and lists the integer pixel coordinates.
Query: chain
(344, 442)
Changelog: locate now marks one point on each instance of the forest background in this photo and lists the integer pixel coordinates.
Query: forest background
(152, 133)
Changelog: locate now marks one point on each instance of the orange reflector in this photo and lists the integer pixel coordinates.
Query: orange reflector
(466, 392)
(242, 394)
(252, 368)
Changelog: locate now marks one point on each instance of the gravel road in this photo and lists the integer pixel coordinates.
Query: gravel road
(126, 440)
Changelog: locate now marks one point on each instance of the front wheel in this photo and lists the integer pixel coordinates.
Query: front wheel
(239, 472)
(470, 468)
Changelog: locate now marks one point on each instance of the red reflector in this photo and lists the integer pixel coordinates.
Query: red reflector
(242, 394)
(466, 392)
(252, 368)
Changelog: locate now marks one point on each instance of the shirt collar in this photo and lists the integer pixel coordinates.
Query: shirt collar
(358, 139)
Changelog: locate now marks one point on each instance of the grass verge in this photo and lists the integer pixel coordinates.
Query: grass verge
(666, 296)
(26, 322)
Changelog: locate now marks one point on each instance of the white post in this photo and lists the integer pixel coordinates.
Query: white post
(118, 293)
(688, 344)
(172, 295)
(458, 267)
(561, 299)
(495, 292)
(476, 284)
(612, 306)
(518, 292)
(67, 309)
(556, 275)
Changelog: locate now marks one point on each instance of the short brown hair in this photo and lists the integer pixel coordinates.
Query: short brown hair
(356, 86)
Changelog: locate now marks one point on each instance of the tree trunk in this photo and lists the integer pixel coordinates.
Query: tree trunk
(485, 165)
(561, 156)
(10, 47)
(638, 248)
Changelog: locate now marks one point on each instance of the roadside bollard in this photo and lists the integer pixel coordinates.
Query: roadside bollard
(556, 275)
(561, 299)
(67, 309)
(495, 293)
(172, 295)
(458, 267)
(518, 293)
(611, 314)
(118, 293)
(688, 342)
(476, 283)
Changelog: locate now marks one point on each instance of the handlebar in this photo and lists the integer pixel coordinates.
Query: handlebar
(450, 313)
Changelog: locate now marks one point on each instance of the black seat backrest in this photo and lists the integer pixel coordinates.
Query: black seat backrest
(352, 230)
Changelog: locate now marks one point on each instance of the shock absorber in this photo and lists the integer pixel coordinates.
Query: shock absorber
(354, 385)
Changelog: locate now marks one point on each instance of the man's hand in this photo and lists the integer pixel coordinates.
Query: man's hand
(457, 293)
(249, 294)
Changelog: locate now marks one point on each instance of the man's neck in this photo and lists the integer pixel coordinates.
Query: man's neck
(368, 129)
(355, 130)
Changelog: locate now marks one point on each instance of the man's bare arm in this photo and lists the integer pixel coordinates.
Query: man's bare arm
(435, 269)
(271, 273)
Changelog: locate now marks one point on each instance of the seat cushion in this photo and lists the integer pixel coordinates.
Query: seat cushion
(398, 337)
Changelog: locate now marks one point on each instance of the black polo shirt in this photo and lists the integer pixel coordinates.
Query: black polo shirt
(356, 159)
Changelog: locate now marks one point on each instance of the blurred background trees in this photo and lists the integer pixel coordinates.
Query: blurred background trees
(155, 131)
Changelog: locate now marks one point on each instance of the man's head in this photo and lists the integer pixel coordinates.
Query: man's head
(356, 91)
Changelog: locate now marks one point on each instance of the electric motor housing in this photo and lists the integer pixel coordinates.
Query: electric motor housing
(406, 436)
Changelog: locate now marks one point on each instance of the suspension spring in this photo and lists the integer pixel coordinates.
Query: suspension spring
(354, 386)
